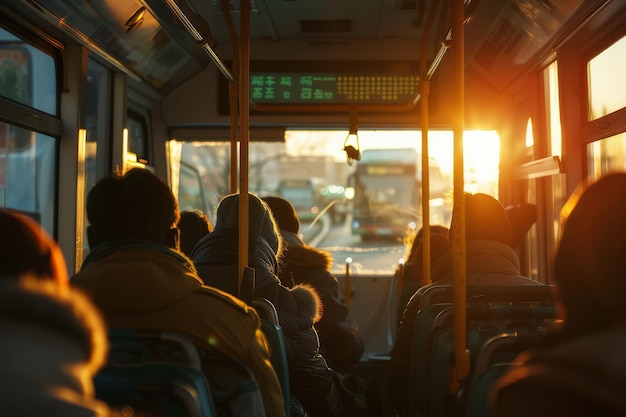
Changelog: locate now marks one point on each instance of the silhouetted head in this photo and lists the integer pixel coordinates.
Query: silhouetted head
(53, 343)
(485, 219)
(590, 265)
(284, 213)
(135, 206)
(261, 222)
(438, 244)
(26, 249)
(193, 226)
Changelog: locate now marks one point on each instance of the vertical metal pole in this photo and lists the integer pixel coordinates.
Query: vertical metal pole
(244, 121)
(460, 368)
(348, 286)
(424, 95)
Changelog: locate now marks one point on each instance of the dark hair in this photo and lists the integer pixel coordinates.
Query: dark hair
(25, 248)
(284, 213)
(135, 206)
(193, 226)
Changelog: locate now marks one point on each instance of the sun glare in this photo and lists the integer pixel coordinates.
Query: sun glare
(481, 150)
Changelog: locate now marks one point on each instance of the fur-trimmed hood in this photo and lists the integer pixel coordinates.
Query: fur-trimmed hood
(311, 299)
(298, 254)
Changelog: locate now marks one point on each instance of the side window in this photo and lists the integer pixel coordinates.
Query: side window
(28, 163)
(138, 137)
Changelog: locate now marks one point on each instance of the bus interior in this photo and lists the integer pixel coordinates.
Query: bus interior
(511, 98)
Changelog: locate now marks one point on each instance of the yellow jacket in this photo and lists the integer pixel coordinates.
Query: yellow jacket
(146, 286)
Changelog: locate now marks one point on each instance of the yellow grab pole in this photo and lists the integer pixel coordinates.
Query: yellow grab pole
(460, 368)
(244, 121)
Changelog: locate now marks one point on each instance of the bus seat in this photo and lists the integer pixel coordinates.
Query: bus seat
(485, 321)
(435, 294)
(157, 373)
(496, 355)
(434, 299)
(477, 401)
(265, 309)
(156, 389)
(274, 335)
(230, 387)
(424, 322)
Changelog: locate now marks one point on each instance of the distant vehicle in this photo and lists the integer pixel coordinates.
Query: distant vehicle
(311, 196)
(387, 192)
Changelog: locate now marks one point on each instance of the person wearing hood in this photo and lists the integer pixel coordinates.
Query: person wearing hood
(340, 341)
(312, 382)
(490, 260)
(53, 338)
(139, 279)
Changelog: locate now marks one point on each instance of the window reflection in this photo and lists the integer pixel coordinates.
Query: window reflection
(27, 173)
(607, 155)
(607, 75)
(27, 75)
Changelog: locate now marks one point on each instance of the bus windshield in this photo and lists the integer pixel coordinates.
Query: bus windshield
(361, 211)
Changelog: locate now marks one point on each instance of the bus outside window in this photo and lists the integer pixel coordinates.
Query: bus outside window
(27, 158)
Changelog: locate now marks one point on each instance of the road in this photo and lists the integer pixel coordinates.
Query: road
(370, 258)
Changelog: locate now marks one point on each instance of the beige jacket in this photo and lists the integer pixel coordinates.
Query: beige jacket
(155, 289)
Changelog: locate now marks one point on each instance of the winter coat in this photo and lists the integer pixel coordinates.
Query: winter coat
(216, 260)
(319, 388)
(340, 342)
(147, 286)
(583, 376)
(52, 344)
(488, 262)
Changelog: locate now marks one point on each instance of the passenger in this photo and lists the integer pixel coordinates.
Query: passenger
(579, 370)
(490, 260)
(410, 274)
(27, 249)
(53, 339)
(193, 226)
(340, 342)
(321, 390)
(139, 280)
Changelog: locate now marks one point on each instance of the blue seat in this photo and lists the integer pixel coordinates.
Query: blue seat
(168, 370)
(424, 323)
(489, 304)
(274, 335)
(156, 389)
(158, 382)
(485, 322)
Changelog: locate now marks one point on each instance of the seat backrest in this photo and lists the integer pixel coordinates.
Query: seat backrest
(266, 309)
(274, 335)
(436, 294)
(424, 322)
(485, 321)
(156, 373)
(233, 387)
(155, 389)
(496, 355)
(230, 387)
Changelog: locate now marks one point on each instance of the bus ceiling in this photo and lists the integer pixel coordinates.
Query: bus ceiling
(128, 32)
